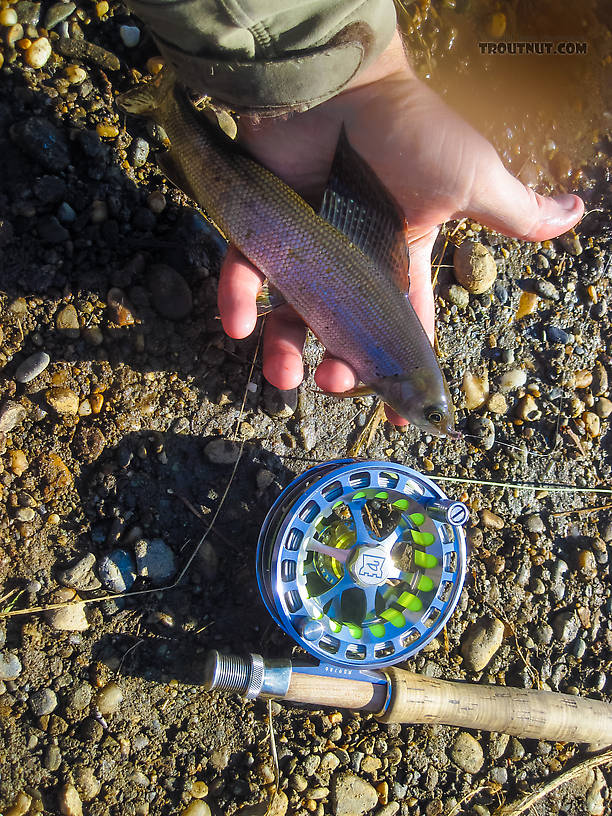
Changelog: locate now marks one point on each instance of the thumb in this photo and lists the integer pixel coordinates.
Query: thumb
(502, 202)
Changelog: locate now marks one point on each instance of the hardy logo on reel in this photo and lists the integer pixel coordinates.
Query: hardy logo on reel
(362, 563)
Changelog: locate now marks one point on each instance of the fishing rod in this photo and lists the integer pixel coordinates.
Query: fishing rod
(362, 563)
(400, 696)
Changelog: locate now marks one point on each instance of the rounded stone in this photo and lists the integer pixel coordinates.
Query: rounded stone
(11, 414)
(108, 699)
(69, 801)
(196, 808)
(155, 560)
(32, 366)
(466, 753)
(38, 53)
(351, 795)
(475, 267)
(43, 702)
(10, 666)
(67, 322)
(62, 400)
(116, 571)
(170, 292)
(221, 451)
(481, 642)
(130, 35)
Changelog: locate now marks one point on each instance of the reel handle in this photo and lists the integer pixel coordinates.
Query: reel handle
(526, 713)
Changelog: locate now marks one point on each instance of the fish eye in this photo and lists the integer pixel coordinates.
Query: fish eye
(434, 415)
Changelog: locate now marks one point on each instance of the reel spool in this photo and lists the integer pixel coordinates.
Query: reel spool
(362, 563)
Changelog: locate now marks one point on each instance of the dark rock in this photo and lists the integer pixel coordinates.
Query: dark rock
(57, 13)
(170, 292)
(557, 335)
(51, 231)
(49, 189)
(42, 141)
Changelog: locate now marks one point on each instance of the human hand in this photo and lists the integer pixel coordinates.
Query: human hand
(435, 165)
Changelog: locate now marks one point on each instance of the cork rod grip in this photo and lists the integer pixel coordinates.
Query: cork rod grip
(526, 713)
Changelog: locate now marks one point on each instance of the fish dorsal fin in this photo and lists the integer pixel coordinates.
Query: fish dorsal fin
(358, 204)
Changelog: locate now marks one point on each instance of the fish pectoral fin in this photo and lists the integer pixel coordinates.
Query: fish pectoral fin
(357, 391)
(358, 204)
(268, 299)
(172, 170)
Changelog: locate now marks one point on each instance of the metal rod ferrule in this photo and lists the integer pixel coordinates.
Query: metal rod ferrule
(250, 676)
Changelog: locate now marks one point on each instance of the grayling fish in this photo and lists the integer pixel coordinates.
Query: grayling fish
(338, 269)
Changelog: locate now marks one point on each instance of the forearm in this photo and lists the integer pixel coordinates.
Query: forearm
(270, 58)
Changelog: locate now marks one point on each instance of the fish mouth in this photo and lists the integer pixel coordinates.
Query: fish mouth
(454, 434)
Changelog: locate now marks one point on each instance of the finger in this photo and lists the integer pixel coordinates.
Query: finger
(503, 203)
(284, 336)
(239, 283)
(421, 291)
(394, 418)
(335, 376)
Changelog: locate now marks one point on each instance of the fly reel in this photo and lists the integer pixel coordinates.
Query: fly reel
(362, 563)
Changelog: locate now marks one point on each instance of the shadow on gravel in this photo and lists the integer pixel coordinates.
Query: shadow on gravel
(144, 488)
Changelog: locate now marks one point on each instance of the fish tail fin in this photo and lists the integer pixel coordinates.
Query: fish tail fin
(145, 99)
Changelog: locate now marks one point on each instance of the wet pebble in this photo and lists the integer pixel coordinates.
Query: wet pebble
(501, 293)
(587, 566)
(67, 322)
(600, 380)
(155, 560)
(32, 366)
(351, 795)
(62, 400)
(491, 520)
(527, 409)
(603, 407)
(11, 415)
(117, 571)
(10, 666)
(570, 243)
(69, 801)
(481, 641)
(43, 702)
(108, 699)
(57, 13)
(475, 267)
(221, 451)
(457, 295)
(130, 35)
(80, 576)
(497, 403)
(546, 289)
(138, 152)
(52, 758)
(279, 403)
(466, 752)
(87, 784)
(170, 292)
(484, 431)
(475, 389)
(592, 424)
(535, 524)
(565, 626)
(80, 698)
(515, 378)
(556, 335)
(70, 618)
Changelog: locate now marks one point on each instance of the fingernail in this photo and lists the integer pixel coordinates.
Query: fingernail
(566, 201)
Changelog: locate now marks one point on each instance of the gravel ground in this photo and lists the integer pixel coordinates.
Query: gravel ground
(120, 408)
